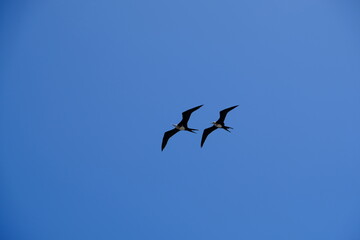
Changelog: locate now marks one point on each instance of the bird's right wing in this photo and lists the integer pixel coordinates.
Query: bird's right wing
(166, 137)
(186, 115)
(206, 132)
(224, 112)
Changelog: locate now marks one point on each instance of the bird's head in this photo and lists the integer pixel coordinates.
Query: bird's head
(213, 123)
(174, 125)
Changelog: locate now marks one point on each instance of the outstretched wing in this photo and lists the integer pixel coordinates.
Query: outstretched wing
(206, 132)
(186, 115)
(223, 114)
(166, 137)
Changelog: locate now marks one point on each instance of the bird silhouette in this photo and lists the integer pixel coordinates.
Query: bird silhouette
(182, 125)
(218, 124)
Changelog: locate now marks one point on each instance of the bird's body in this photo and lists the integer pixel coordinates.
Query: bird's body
(218, 124)
(181, 126)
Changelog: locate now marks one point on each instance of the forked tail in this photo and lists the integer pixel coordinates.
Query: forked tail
(192, 130)
(227, 128)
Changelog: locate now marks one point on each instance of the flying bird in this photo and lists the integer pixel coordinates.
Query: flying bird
(182, 125)
(218, 124)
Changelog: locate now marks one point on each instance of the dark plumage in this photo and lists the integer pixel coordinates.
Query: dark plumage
(182, 125)
(218, 124)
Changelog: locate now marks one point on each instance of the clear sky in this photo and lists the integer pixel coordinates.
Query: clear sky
(88, 88)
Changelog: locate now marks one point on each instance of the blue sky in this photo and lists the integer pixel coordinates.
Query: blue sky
(87, 89)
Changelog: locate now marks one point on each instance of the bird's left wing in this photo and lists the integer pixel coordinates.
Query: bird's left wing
(206, 132)
(166, 137)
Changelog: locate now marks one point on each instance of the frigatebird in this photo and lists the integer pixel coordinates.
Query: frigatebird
(182, 125)
(218, 124)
